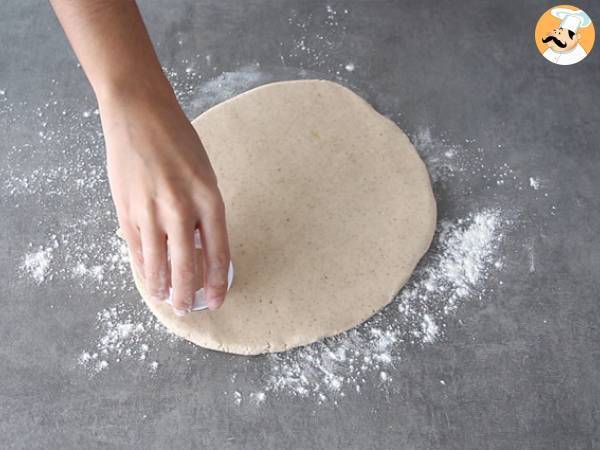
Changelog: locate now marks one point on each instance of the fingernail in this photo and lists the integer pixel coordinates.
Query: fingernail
(181, 312)
(156, 299)
(215, 302)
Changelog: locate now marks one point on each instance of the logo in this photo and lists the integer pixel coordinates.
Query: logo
(565, 35)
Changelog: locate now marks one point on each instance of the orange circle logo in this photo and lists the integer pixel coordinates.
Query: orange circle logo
(565, 35)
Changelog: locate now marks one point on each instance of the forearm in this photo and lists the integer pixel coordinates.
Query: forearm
(113, 46)
(162, 182)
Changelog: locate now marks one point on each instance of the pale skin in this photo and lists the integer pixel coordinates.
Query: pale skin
(161, 180)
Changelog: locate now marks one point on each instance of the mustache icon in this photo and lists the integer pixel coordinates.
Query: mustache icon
(555, 40)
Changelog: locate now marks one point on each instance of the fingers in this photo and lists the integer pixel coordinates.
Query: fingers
(183, 266)
(216, 253)
(148, 245)
(154, 250)
(132, 235)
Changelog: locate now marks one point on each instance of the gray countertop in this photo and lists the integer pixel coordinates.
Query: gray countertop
(506, 135)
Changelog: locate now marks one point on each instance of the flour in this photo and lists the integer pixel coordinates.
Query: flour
(225, 86)
(237, 397)
(127, 333)
(82, 271)
(71, 256)
(429, 329)
(462, 258)
(62, 174)
(448, 161)
(38, 263)
(258, 397)
(467, 259)
(320, 47)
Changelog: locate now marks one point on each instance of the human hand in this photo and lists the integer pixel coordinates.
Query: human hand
(164, 188)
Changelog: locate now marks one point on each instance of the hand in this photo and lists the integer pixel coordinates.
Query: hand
(164, 188)
(161, 180)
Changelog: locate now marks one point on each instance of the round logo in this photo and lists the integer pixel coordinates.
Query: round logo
(564, 35)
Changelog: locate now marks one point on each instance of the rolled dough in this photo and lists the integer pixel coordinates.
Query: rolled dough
(329, 209)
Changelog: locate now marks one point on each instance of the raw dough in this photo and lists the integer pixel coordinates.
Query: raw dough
(329, 209)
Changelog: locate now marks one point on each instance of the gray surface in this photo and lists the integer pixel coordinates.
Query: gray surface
(521, 367)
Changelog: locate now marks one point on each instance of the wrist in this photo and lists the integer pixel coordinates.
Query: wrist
(132, 90)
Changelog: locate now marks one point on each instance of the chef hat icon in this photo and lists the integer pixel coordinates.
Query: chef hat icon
(571, 20)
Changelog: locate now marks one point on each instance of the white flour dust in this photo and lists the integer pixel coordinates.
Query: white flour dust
(126, 333)
(463, 256)
(38, 262)
(448, 161)
(101, 264)
(429, 328)
(226, 85)
(316, 42)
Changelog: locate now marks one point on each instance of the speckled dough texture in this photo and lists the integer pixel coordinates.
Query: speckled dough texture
(329, 209)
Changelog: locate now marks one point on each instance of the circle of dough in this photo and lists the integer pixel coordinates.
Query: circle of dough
(329, 209)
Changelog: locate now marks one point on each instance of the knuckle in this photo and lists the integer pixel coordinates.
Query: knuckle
(145, 212)
(126, 224)
(218, 286)
(216, 203)
(180, 218)
(152, 291)
(152, 277)
(174, 205)
(129, 231)
(136, 254)
(182, 209)
(217, 271)
(219, 262)
(185, 276)
(144, 216)
(212, 204)
(179, 204)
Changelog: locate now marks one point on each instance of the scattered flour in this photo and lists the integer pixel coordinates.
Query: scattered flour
(429, 329)
(126, 333)
(38, 263)
(258, 397)
(462, 258)
(225, 86)
(237, 397)
(320, 48)
(448, 161)
(104, 264)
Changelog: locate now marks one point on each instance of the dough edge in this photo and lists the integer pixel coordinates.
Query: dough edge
(176, 325)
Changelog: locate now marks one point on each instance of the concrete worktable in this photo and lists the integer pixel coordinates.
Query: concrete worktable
(515, 366)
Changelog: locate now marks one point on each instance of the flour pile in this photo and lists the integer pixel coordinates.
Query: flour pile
(37, 263)
(462, 258)
(126, 333)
